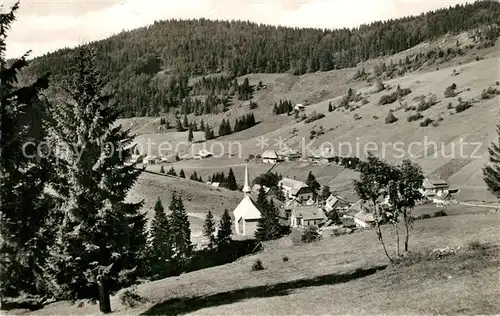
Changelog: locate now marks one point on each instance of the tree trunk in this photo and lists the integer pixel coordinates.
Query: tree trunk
(104, 303)
(379, 232)
(397, 239)
(407, 237)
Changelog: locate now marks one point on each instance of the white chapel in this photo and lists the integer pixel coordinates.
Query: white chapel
(246, 214)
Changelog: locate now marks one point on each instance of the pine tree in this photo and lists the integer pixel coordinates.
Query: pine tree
(162, 170)
(185, 123)
(268, 226)
(180, 230)
(225, 229)
(330, 107)
(231, 181)
(181, 174)
(492, 172)
(312, 183)
(190, 135)
(160, 247)
(27, 221)
(101, 241)
(209, 229)
(171, 172)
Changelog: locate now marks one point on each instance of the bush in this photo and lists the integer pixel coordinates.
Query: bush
(463, 106)
(426, 122)
(440, 213)
(415, 117)
(285, 258)
(450, 106)
(449, 92)
(390, 119)
(251, 157)
(257, 265)
(314, 116)
(388, 99)
(310, 235)
(364, 101)
(131, 299)
(425, 216)
(375, 117)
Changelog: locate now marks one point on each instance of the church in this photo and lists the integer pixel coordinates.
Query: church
(246, 214)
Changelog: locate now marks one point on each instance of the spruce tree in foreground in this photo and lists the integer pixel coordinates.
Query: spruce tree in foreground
(181, 174)
(101, 241)
(268, 226)
(209, 229)
(492, 172)
(180, 230)
(160, 247)
(313, 183)
(225, 229)
(26, 224)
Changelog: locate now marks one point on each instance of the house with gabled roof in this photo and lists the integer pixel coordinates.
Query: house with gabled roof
(334, 202)
(434, 188)
(306, 215)
(293, 189)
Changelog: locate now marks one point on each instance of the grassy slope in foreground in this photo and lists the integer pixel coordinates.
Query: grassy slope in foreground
(336, 276)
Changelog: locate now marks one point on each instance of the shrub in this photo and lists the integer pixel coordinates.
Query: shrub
(257, 265)
(390, 119)
(251, 157)
(379, 86)
(426, 122)
(375, 117)
(435, 124)
(425, 216)
(310, 235)
(415, 117)
(314, 116)
(364, 101)
(285, 258)
(449, 92)
(131, 299)
(463, 106)
(388, 99)
(450, 106)
(440, 213)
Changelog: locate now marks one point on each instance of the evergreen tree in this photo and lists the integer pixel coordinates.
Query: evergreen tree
(181, 174)
(231, 181)
(160, 247)
(185, 123)
(194, 176)
(492, 172)
(180, 230)
(101, 241)
(209, 229)
(225, 229)
(162, 170)
(330, 107)
(268, 226)
(179, 126)
(312, 183)
(171, 172)
(27, 221)
(190, 135)
(325, 193)
(202, 126)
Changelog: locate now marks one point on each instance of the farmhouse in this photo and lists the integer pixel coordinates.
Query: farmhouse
(269, 156)
(334, 202)
(434, 188)
(364, 219)
(246, 214)
(290, 154)
(306, 215)
(293, 189)
(321, 156)
(203, 154)
(299, 107)
(447, 198)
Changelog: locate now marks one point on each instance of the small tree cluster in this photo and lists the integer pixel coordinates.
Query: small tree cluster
(244, 122)
(225, 128)
(284, 106)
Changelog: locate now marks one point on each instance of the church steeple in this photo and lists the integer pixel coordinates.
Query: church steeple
(246, 187)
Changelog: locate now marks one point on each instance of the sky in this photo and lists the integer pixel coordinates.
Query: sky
(46, 25)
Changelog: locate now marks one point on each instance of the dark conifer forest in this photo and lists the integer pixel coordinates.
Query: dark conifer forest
(149, 67)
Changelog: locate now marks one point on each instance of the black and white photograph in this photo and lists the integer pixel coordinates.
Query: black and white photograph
(249, 157)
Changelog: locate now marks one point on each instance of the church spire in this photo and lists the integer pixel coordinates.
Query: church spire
(246, 186)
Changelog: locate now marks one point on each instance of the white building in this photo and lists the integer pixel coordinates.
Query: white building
(299, 107)
(150, 160)
(269, 156)
(246, 214)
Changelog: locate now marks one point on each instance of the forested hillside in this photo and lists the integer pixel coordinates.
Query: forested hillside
(149, 67)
